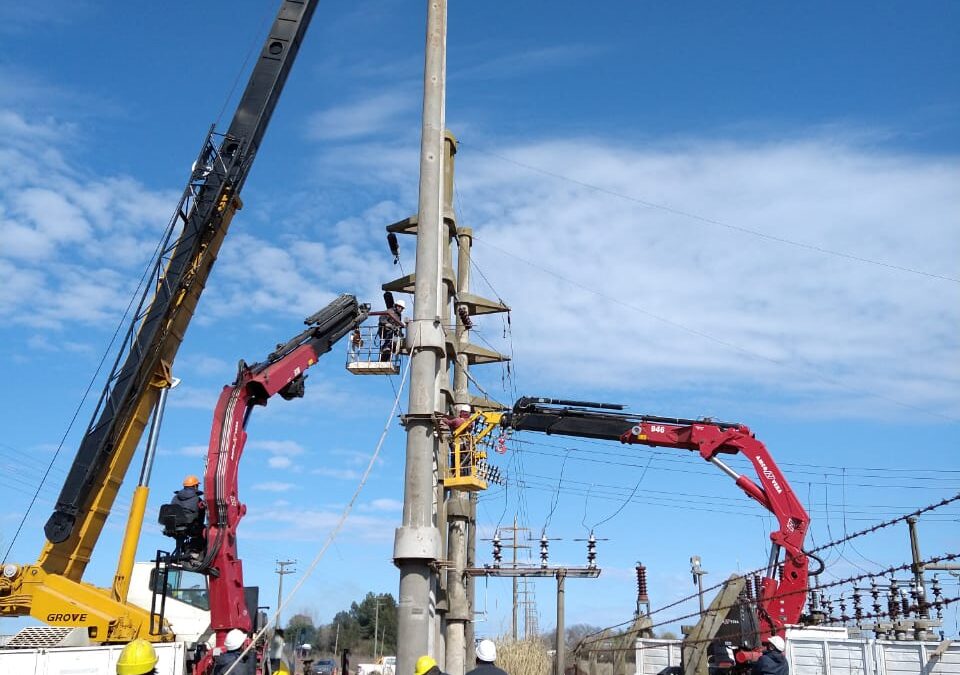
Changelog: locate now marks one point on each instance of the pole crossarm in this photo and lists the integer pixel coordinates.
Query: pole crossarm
(569, 572)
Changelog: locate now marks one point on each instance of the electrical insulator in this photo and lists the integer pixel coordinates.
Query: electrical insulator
(875, 592)
(757, 586)
(394, 246)
(591, 551)
(857, 605)
(893, 606)
(828, 609)
(544, 550)
(843, 610)
(642, 595)
(464, 313)
(935, 588)
(497, 550)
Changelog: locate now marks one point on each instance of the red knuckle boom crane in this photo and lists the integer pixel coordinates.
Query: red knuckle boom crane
(283, 372)
(781, 600)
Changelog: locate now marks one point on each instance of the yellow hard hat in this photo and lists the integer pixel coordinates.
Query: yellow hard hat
(424, 665)
(137, 658)
(191, 481)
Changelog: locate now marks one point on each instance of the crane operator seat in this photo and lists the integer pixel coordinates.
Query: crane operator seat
(183, 520)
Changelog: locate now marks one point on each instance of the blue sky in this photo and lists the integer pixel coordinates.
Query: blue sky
(747, 212)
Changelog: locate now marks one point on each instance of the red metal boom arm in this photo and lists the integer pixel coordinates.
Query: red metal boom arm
(282, 373)
(782, 601)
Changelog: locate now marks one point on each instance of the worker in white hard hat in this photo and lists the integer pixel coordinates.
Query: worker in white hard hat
(773, 661)
(486, 658)
(232, 653)
(390, 328)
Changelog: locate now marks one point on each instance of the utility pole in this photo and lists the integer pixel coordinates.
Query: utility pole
(281, 571)
(417, 541)
(529, 604)
(514, 625)
(469, 634)
(376, 629)
(591, 571)
(561, 628)
(561, 574)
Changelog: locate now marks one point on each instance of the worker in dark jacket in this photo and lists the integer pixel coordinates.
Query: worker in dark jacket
(233, 652)
(773, 661)
(390, 330)
(188, 499)
(486, 656)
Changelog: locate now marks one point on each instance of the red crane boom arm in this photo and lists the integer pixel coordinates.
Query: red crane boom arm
(782, 601)
(282, 373)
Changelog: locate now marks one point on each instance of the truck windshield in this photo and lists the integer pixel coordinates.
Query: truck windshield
(185, 586)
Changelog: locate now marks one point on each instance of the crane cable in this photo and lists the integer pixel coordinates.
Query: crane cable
(151, 262)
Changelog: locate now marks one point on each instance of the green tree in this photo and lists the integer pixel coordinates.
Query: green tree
(300, 630)
(377, 612)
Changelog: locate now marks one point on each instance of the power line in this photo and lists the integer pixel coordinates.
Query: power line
(808, 369)
(712, 221)
(662, 459)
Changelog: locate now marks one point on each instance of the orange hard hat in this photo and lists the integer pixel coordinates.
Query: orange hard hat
(191, 481)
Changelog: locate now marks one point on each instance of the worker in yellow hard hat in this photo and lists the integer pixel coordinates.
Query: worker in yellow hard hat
(426, 665)
(138, 658)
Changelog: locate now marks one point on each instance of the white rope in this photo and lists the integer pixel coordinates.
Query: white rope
(339, 526)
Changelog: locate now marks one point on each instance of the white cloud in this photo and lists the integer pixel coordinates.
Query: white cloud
(383, 504)
(621, 296)
(72, 243)
(316, 524)
(193, 451)
(608, 292)
(196, 398)
(339, 474)
(286, 448)
(364, 117)
(274, 486)
(280, 462)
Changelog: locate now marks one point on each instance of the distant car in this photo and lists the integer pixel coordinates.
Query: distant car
(324, 667)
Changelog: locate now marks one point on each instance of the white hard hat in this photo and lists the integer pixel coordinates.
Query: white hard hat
(486, 651)
(401, 304)
(234, 640)
(777, 643)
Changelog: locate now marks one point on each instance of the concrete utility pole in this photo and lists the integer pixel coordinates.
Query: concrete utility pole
(459, 509)
(282, 570)
(469, 637)
(417, 541)
(561, 641)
